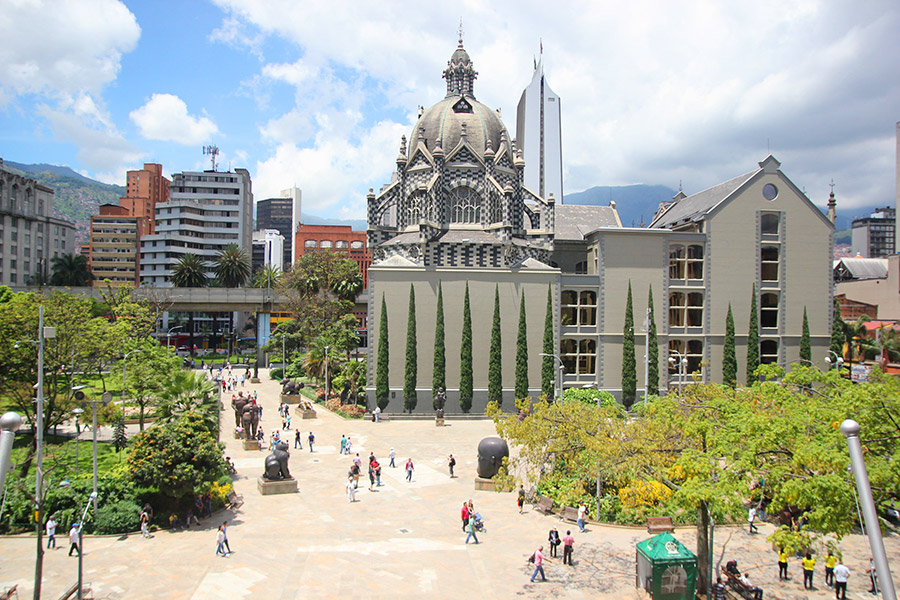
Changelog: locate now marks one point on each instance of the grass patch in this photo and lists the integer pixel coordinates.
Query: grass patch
(59, 454)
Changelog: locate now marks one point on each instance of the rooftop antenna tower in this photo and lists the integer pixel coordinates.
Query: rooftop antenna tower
(212, 151)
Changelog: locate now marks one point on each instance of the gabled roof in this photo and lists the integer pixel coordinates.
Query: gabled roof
(861, 268)
(696, 207)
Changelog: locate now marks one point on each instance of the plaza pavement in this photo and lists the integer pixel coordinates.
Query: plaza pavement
(402, 541)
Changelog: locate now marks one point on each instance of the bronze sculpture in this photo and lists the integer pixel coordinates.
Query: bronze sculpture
(276, 467)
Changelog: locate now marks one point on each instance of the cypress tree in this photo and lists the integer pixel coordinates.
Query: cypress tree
(409, 384)
(805, 348)
(629, 365)
(495, 360)
(753, 340)
(547, 375)
(729, 358)
(837, 331)
(439, 376)
(522, 354)
(382, 392)
(652, 351)
(465, 358)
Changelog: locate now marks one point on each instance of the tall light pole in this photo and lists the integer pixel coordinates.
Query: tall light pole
(92, 498)
(326, 373)
(169, 335)
(559, 378)
(838, 360)
(9, 423)
(850, 429)
(104, 399)
(44, 333)
(680, 363)
(646, 356)
(124, 362)
(78, 411)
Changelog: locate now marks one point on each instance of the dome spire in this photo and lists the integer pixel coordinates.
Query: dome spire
(460, 73)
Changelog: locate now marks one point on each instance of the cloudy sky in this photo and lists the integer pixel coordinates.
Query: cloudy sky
(317, 94)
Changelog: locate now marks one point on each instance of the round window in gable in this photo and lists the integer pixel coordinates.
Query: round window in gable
(770, 191)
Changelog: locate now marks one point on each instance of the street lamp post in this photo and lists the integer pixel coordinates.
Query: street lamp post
(838, 360)
(9, 423)
(78, 411)
(92, 498)
(104, 400)
(646, 356)
(559, 378)
(326, 373)
(680, 363)
(169, 335)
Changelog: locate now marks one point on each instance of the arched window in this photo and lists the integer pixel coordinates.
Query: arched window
(357, 245)
(310, 244)
(340, 244)
(14, 197)
(497, 209)
(768, 223)
(465, 206)
(768, 351)
(26, 207)
(414, 208)
(325, 244)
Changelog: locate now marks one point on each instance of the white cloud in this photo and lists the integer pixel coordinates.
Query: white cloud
(63, 47)
(165, 117)
(100, 147)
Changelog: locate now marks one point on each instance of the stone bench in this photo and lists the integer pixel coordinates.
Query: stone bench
(659, 524)
(545, 505)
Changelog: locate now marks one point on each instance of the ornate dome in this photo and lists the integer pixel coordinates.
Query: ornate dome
(444, 123)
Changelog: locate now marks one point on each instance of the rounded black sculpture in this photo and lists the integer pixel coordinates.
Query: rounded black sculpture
(289, 387)
(277, 463)
(491, 451)
(238, 405)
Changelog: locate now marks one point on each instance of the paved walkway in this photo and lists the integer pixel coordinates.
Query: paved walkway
(402, 541)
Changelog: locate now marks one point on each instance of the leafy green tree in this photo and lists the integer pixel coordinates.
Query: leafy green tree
(495, 359)
(190, 272)
(837, 331)
(522, 354)
(70, 270)
(382, 390)
(146, 373)
(267, 276)
(629, 363)
(439, 375)
(729, 358)
(409, 382)
(187, 392)
(353, 377)
(652, 351)
(180, 459)
(466, 383)
(805, 348)
(753, 340)
(547, 364)
(320, 284)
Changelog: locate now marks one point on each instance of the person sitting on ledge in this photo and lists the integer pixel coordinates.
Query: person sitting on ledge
(731, 567)
(757, 592)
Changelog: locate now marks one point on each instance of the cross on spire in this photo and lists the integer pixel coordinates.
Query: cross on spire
(460, 32)
(831, 185)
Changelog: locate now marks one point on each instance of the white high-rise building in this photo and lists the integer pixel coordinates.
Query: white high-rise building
(206, 211)
(268, 249)
(295, 195)
(539, 136)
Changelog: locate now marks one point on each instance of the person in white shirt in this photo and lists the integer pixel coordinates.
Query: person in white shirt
(51, 533)
(73, 539)
(582, 509)
(351, 490)
(751, 517)
(377, 413)
(757, 592)
(841, 574)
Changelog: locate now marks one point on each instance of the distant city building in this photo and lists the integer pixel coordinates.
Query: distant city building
(115, 240)
(873, 236)
(268, 249)
(336, 238)
(282, 214)
(144, 189)
(539, 136)
(206, 211)
(29, 236)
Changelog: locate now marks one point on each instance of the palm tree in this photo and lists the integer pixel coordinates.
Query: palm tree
(887, 345)
(70, 270)
(187, 391)
(855, 334)
(349, 288)
(267, 276)
(232, 266)
(354, 372)
(190, 271)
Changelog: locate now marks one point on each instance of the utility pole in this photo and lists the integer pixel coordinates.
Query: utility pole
(647, 356)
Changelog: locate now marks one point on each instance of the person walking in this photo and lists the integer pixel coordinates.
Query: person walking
(225, 536)
(377, 413)
(73, 539)
(568, 545)
(297, 442)
(830, 562)
(409, 469)
(51, 533)
(377, 466)
(464, 514)
(841, 575)
(145, 521)
(343, 442)
(873, 576)
(751, 517)
(451, 462)
(288, 421)
(582, 510)
(371, 477)
(220, 542)
(393, 455)
(809, 564)
(782, 565)
(470, 531)
(312, 439)
(351, 490)
(348, 446)
(539, 559)
(520, 499)
(553, 538)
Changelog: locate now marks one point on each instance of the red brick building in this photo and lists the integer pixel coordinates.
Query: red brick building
(337, 238)
(144, 189)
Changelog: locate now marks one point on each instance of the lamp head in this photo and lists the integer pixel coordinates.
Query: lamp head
(16, 346)
(93, 495)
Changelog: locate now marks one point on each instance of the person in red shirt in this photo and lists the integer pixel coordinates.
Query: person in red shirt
(568, 544)
(464, 513)
(539, 564)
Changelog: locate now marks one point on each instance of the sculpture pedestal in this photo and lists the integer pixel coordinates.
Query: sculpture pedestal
(254, 380)
(439, 421)
(284, 486)
(290, 398)
(482, 484)
(251, 445)
(304, 413)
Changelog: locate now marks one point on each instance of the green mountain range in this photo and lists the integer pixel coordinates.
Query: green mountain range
(77, 197)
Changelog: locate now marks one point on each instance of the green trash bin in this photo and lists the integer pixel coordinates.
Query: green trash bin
(666, 568)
